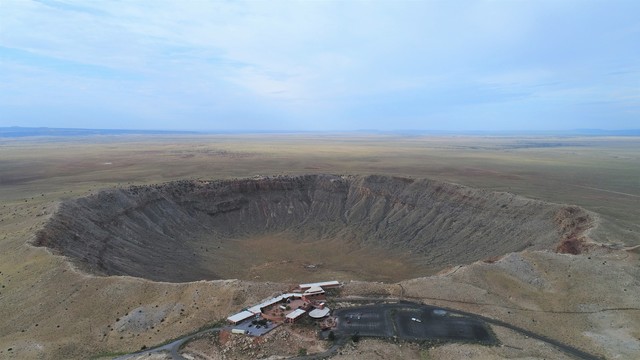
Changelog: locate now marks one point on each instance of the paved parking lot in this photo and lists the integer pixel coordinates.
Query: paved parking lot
(253, 329)
(366, 321)
(411, 322)
(428, 326)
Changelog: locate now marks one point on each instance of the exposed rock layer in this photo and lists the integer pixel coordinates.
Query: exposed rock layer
(161, 232)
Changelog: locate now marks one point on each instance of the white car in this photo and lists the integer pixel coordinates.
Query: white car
(416, 320)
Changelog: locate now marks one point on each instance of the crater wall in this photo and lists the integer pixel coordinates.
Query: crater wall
(193, 230)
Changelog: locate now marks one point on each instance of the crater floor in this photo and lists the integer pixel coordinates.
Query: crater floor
(302, 228)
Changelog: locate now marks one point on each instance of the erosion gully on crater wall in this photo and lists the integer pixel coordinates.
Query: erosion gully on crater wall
(277, 228)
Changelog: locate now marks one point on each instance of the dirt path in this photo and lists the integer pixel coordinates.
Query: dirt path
(173, 348)
(604, 190)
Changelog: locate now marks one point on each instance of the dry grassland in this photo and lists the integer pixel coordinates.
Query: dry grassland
(48, 310)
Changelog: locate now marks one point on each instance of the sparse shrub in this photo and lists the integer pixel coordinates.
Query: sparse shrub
(302, 352)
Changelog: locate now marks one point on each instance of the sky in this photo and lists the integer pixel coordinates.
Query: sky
(321, 65)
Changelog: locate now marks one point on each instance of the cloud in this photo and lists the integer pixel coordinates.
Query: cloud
(265, 64)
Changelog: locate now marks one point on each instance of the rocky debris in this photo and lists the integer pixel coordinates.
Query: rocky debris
(573, 246)
(517, 266)
(283, 342)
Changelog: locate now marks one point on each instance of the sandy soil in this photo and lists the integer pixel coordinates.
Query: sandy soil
(284, 341)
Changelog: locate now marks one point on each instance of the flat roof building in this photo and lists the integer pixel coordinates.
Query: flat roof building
(314, 290)
(295, 314)
(325, 284)
(241, 316)
(257, 309)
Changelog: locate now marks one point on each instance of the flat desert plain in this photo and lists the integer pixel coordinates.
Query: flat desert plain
(581, 290)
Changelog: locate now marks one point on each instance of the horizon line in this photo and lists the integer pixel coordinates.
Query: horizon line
(25, 131)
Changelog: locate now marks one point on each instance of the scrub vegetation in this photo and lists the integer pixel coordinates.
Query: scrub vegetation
(52, 310)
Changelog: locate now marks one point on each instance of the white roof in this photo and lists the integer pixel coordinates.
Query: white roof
(319, 313)
(321, 284)
(240, 316)
(295, 313)
(257, 309)
(314, 290)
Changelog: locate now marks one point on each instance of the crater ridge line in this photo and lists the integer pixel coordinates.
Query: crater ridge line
(290, 228)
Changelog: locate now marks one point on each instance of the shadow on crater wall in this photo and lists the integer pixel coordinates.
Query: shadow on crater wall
(194, 230)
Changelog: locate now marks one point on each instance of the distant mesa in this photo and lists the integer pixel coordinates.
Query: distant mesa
(361, 227)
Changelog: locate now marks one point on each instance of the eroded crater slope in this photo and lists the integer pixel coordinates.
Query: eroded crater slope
(303, 227)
